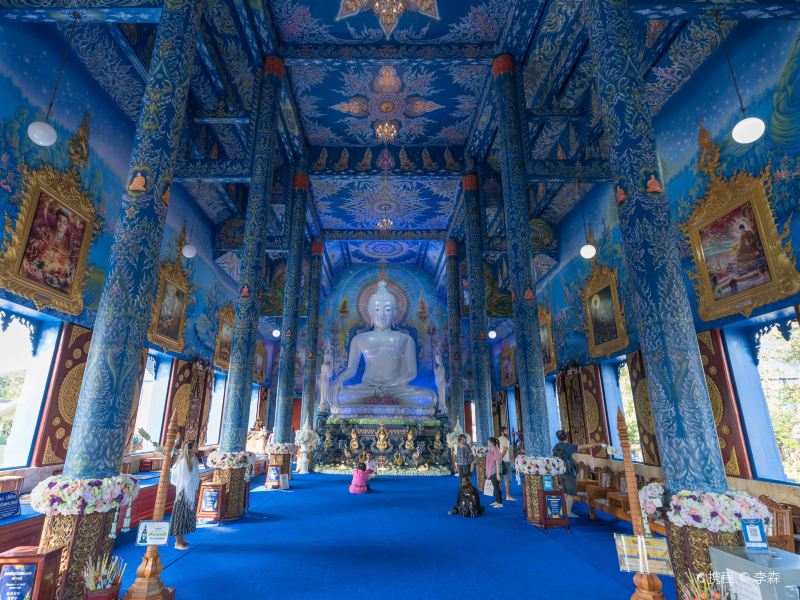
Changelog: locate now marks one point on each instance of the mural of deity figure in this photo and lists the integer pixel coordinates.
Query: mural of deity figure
(441, 385)
(390, 358)
(324, 381)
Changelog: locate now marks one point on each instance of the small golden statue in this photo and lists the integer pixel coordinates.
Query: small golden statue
(437, 440)
(353, 439)
(409, 443)
(328, 439)
(382, 443)
(398, 460)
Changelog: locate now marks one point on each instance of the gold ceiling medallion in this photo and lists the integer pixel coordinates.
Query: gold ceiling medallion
(605, 321)
(546, 337)
(44, 257)
(222, 352)
(169, 314)
(742, 261)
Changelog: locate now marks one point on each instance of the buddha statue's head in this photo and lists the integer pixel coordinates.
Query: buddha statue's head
(382, 307)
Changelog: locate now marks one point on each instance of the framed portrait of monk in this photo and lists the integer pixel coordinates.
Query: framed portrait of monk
(45, 256)
(169, 314)
(222, 353)
(605, 322)
(260, 363)
(742, 261)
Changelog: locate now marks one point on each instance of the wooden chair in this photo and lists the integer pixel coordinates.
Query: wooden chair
(584, 477)
(11, 483)
(782, 533)
(599, 489)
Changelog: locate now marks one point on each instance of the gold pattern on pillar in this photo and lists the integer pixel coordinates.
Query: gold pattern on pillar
(235, 491)
(81, 537)
(723, 404)
(644, 410)
(179, 395)
(62, 396)
(573, 398)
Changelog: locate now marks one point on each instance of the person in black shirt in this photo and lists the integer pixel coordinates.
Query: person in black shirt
(468, 501)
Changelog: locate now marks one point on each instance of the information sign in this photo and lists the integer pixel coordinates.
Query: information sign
(640, 554)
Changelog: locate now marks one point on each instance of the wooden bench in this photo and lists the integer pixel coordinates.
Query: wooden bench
(782, 533)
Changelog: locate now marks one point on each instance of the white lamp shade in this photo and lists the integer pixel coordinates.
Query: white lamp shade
(276, 333)
(42, 134)
(492, 334)
(588, 251)
(189, 251)
(748, 130)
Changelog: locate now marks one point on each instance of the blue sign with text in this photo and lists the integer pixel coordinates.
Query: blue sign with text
(9, 505)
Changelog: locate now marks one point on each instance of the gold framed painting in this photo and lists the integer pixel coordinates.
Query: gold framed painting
(222, 352)
(45, 257)
(260, 363)
(169, 314)
(605, 321)
(742, 261)
(546, 337)
(508, 365)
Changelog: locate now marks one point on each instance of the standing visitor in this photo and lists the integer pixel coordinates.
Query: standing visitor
(505, 455)
(493, 465)
(465, 460)
(185, 476)
(564, 450)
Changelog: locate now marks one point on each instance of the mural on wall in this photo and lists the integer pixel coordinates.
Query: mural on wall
(24, 60)
(421, 314)
(498, 284)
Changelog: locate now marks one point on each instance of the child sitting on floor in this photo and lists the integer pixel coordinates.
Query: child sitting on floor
(359, 483)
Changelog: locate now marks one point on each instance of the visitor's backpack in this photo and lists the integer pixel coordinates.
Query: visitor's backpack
(559, 452)
(469, 505)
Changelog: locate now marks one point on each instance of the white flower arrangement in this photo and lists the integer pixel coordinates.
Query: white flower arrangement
(539, 465)
(230, 460)
(60, 495)
(424, 470)
(285, 448)
(712, 511)
(305, 436)
(478, 451)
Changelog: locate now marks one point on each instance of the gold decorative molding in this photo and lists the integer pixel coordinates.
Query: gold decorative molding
(604, 278)
(172, 275)
(771, 272)
(546, 336)
(227, 317)
(41, 263)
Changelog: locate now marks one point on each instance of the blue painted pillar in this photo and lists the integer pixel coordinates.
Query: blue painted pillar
(245, 329)
(312, 334)
(481, 356)
(687, 440)
(455, 401)
(285, 393)
(530, 370)
(104, 405)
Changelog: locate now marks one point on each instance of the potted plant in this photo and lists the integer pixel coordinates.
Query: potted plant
(103, 578)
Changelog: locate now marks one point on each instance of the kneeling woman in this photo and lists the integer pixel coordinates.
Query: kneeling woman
(359, 483)
(185, 476)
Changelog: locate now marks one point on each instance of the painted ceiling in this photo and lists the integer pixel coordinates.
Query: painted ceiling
(426, 254)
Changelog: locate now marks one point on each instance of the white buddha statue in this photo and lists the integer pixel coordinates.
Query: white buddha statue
(390, 359)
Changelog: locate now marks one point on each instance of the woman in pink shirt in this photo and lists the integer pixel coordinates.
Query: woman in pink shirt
(359, 483)
(493, 470)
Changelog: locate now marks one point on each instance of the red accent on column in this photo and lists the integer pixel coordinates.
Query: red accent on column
(502, 64)
(300, 181)
(316, 248)
(451, 248)
(644, 412)
(468, 418)
(273, 65)
(470, 182)
(297, 407)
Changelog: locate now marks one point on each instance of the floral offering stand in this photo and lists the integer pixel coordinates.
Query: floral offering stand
(696, 521)
(231, 469)
(532, 469)
(480, 464)
(280, 455)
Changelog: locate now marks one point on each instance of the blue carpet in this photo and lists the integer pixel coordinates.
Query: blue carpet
(318, 541)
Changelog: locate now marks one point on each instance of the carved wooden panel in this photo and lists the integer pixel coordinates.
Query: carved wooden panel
(723, 403)
(62, 396)
(563, 414)
(644, 411)
(178, 396)
(594, 408)
(199, 397)
(574, 399)
(209, 390)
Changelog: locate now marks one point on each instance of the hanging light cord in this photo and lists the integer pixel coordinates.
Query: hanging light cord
(730, 63)
(76, 16)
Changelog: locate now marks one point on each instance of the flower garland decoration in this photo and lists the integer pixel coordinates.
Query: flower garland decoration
(305, 436)
(712, 511)
(539, 465)
(285, 448)
(229, 460)
(60, 495)
(479, 451)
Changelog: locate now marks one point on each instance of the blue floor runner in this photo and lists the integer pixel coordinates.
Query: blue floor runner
(318, 541)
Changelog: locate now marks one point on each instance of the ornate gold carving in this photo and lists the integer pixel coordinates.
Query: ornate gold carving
(592, 413)
(50, 457)
(65, 188)
(600, 279)
(643, 408)
(546, 335)
(180, 404)
(723, 196)
(715, 396)
(689, 546)
(226, 316)
(170, 273)
(732, 466)
(234, 492)
(69, 392)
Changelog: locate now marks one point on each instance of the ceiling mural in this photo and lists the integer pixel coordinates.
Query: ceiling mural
(422, 22)
(419, 203)
(433, 103)
(426, 253)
